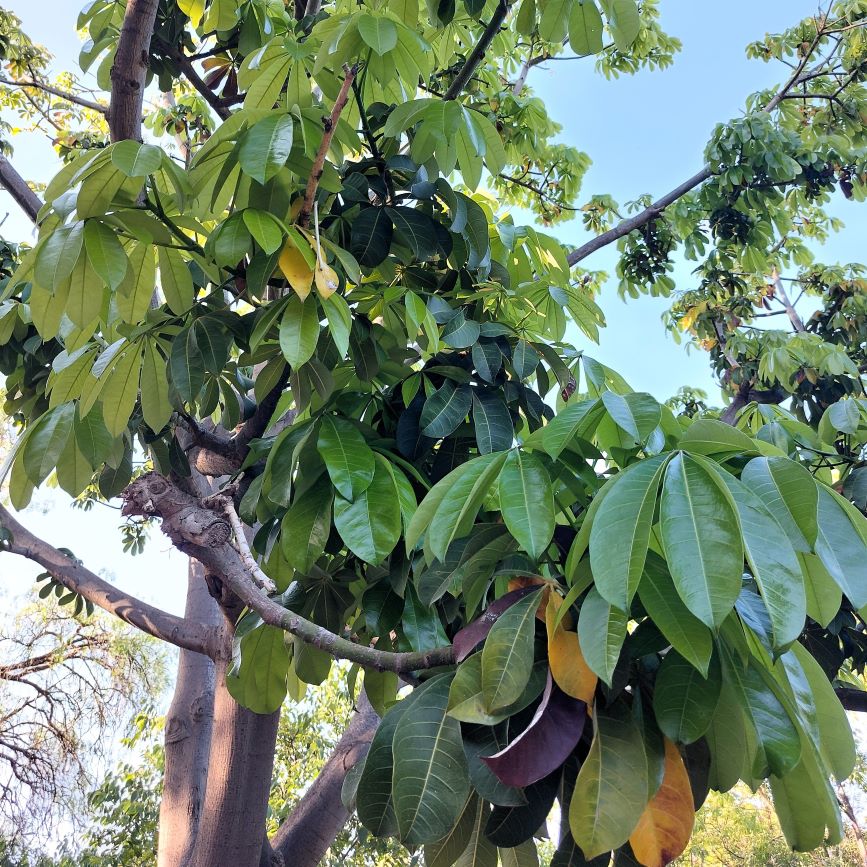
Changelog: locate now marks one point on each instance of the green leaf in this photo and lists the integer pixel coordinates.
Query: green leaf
(45, 442)
(823, 593)
(348, 458)
(585, 28)
(524, 359)
(601, 633)
(637, 414)
(120, 391)
(370, 525)
(457, 507)
(687, 634)
(459, 332)
(842, 550)
(492, 422)
(265, 230)
(377, 32)
(421, 624)
(773, 562)
(339, 318)
(612, 786)
(791, 495)
(524, 855)
(259, 684)
(92, 438)
(684, 701)
(706, 436)
(480, 851)
(527, 501)
(577, 421)
(105, 253)
(136, 160)
(266, 147)
(175, 280)
(430, 783)
(507, 657)
(306, 526)
(187, 366)
(779, 743)
(620, 532)
(299, 330)
(554, 21)
(623, 21)
(445, 409)
(85, 294)
(700, 540)
(372, 231)
(56, 257)
(135, 292)
(155, 404)
(445, 852)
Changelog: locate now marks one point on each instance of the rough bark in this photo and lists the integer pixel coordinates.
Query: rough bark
(239, 781)
(188, 736)
(129, 72)
(304, 838)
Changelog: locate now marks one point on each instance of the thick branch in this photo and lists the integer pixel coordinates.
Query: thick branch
(478, 53)
(130, 68)
(313, 824)
(330, 124)
(653, 211)
(56, 91)
(204, 534)
(17, 187)
(74, 576)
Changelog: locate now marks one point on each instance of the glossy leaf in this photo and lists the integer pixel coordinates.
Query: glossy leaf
(348, 458)
(306, 526)
(842, 550)
(445, 409)
(601, 633)
(527, 501)
(266, 146)
(299, 330)
(684, 701)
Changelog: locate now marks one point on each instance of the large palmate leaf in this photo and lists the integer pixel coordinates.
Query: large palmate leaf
(701, 542)
(370, 524)
(684, 701)
(612, 787)
(527, 501)
(430, 783)
(348, 458)
(620, 532)
(507, 657)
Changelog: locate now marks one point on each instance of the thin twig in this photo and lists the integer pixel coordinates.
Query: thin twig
(260, 579)
(330, 124)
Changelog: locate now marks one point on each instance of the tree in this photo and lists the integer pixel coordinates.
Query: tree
(347, 373)
(64, 683)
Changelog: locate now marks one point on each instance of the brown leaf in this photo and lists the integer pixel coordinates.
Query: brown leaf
(666, 824)
(571, 673)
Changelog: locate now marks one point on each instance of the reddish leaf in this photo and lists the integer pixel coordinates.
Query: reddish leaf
(468, 638)
(545, 744)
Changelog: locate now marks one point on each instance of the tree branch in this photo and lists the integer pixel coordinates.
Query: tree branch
(17, 187)
(129, 72)
(56, 91)
(75, 577)
(204, 534)
(478, 53)
(330, 124)
(189, 71)
(653, 211)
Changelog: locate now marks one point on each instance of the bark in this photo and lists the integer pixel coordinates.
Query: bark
(857, 831)
(17, 187)
(129, 72)
(188, 736)
(239, 781)
(304, 838)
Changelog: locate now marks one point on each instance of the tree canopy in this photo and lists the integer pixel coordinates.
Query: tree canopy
(300, 327)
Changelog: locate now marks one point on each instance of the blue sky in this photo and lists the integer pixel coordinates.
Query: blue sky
(645, 134)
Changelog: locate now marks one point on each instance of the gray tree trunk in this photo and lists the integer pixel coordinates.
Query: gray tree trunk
(188, 736)
(241, 759)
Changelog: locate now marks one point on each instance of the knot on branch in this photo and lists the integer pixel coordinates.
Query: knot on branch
(184, 519)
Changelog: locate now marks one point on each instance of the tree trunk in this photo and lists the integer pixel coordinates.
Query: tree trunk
(232, 824)
(303, 839)
(188, 735)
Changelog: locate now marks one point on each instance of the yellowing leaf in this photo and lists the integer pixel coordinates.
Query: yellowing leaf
(296, 270)
(326, 280)
(194, 9)
(568, 667)
(666, 824)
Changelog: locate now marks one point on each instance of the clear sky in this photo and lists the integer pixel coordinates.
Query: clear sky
(645, 134)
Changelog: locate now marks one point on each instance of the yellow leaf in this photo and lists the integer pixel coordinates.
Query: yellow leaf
(666, 824)
(326, 280)
(194, 9)
(296, 270)
(568, 668)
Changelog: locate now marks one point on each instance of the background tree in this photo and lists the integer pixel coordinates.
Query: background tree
(335, 354)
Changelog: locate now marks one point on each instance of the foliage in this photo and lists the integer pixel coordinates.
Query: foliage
(641, 605)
